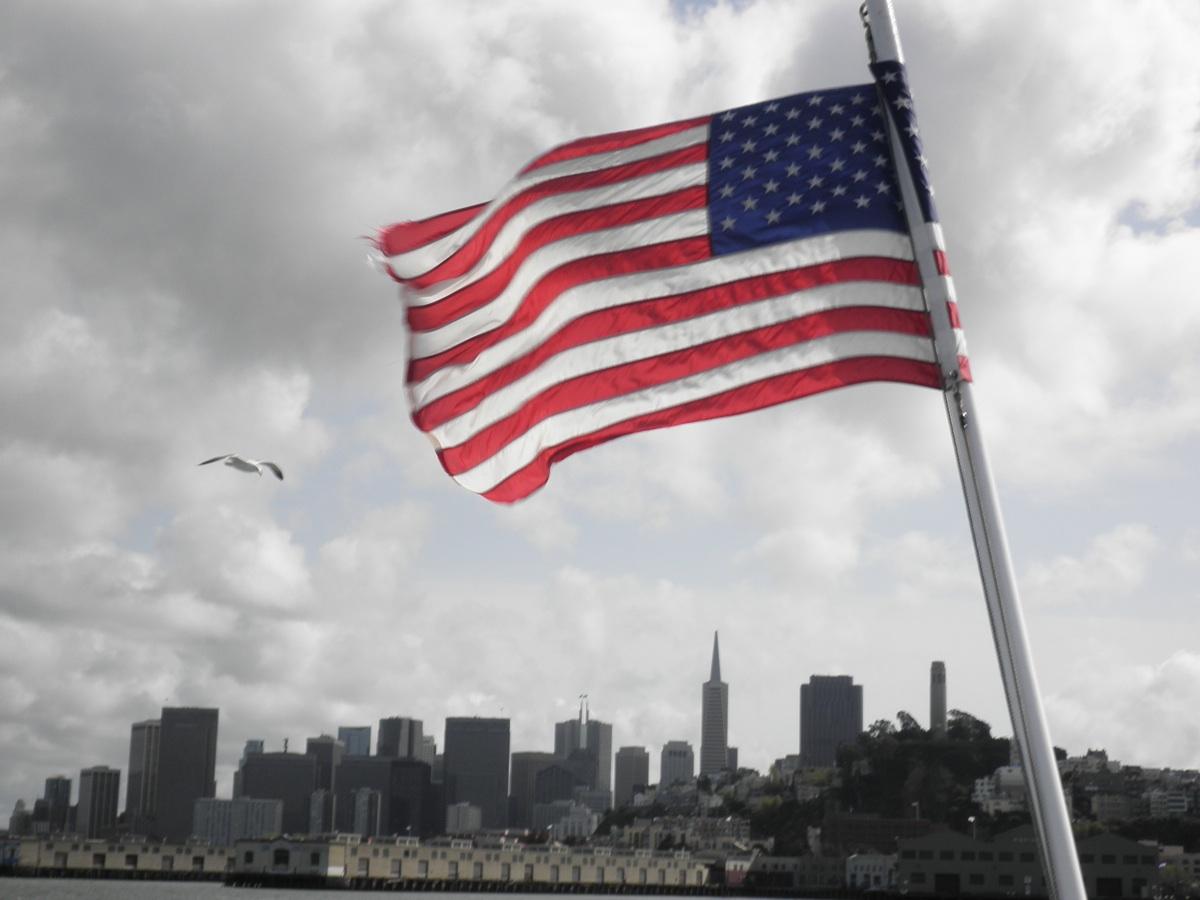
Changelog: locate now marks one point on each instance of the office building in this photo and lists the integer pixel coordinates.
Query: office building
(587, 742)
(224, 822)
(937, 699)
(403, 797)
(463, 818)
(320, 811)
(475, 766)
(57, 794)
(356, 739)
(731, 757)
(525, 767)
(289, 778)
(253, 747)
(400, 737)
(633, 774)
(714, 718)
(99, 800)
(142, 784)
(831, 714)
(187, 763)
(428, 754)
(328, 752)
(677, 764)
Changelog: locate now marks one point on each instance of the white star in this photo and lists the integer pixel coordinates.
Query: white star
(882, 187)
(814, 152)
(749, 120)
(839, 191)
(814, 123)
(792, 113)
(726, 191)
(837, 134)
(771, 107)
(728, 222)
(912, 130)
(726, 136)
(793, 198)
(793, 140)
(748, 145)
(923, 161)
(771, 186)
(836, 166)
(770, 156)
(793, 170)
(860, 175)
(727, 162)
(858, 146)
(748, 173)
(817, 207)
(902, 102)
(772, 217)
(889, 77)
(857, 99)
(837, 109)
(771, 129)
(880, 160)
(749, 203)
(862, 202)
(815, 100)
(816, 181)
(858, 121)
(727, 117)
(877, 135)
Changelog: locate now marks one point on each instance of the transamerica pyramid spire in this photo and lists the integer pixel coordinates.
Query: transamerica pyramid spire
(714, 719)
(716, 661)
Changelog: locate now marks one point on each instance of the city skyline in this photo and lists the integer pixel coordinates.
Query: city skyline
(184, 255)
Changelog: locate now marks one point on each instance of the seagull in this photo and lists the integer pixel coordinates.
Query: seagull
(242, 464)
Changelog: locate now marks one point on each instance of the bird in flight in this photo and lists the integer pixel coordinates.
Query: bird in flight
(242, 464)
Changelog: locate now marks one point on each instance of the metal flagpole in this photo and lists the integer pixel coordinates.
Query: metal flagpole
(1051, 821)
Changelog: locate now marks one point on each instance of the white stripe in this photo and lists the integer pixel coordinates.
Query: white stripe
(495, 313)
(596, 295)
(624, 348)
(422, 259)
(509, 237)
(960, 343)
(550, 432)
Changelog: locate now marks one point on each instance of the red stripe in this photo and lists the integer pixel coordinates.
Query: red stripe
(939, 259)
(664, 311)
(405, 236)
(482, 291)
(630, 377)
(747, 398)
(618, 140)
(952, 310)
(473, 250)
(964, 368)
(542, 294)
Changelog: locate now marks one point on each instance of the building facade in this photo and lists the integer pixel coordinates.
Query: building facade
(937, 698)
(632, 774)
(714, 718)
(222, 822)
(677, 763)
(328, 752)
(400, 737)
(475, 766)
(99, 800)
(141, 789)
(404, 800)
(588, 744)
(187, 762)
(290, 778)
(356, 739)
(525, 767)
(831, 714)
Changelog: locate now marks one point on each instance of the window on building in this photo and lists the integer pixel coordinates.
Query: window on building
(968, 856)
(945, 854)
(1086, 858)
(1004, 880)
(1005, 856)
(924, 854)
(908, 854)
(975, 878)
(1108, 859)
(314, 858)
(1026, 857)
(249, 857)
(917, 878)
(281, 857)
(985, 855)
(1129, 859)
(395, 869)
(131, 860)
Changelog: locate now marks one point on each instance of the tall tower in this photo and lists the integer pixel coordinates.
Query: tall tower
(588, 742)
(99, 796)
(476, 766)
(141, 799)
(187, 761)
(401, 737)
(937, 699)
(714, 719)
(830, 715)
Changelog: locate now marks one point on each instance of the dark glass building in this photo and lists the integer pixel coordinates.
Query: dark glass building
(633, 772)
(401, 788)
(475, 761)
(400, 737)
(141, 790)
(288, 777)
(525, 767)
(328, 752)
(57, 795)
(831, 714)
(99, 798)
(187, 763)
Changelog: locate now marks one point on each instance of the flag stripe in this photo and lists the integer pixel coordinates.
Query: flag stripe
(404, 236)
(484, 289)
(686, 359)
(838, 284)
(744, 397)
(615, 141)
(420, 260)
(429, 381)
(549, 200)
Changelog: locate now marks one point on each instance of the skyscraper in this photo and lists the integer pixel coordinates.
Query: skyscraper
(328, 752)
(714, 719)
(288, 777)
(677, 763)
(587, 742)
(830, 715)
(187, 762)
(384, 795)
(633, 771)
(142, 789)
(99, 797)
(937, 699)
(356, 739)
(475, 763)
(57, 795)
(400, 737)
(525, 767)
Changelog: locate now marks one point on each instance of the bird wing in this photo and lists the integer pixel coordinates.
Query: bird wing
(274, 468)
(215, 459)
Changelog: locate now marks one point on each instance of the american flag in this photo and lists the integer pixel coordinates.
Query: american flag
(671, 274)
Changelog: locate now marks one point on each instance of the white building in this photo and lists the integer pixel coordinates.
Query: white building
(871, 871)
(463, 818)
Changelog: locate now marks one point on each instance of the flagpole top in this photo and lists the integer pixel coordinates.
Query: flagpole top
(882, 37)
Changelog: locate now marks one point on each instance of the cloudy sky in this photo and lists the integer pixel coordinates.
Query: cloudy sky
(185, 188)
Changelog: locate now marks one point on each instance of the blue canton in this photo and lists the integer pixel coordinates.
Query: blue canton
(800, 166)
(894, 84)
